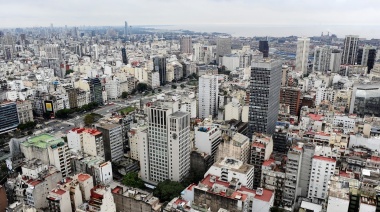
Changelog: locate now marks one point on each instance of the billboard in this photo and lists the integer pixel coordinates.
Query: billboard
(48, 106)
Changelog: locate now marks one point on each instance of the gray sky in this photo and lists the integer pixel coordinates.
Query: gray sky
(29, 13)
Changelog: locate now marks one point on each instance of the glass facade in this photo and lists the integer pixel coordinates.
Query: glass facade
(367, 101)
(8, 117)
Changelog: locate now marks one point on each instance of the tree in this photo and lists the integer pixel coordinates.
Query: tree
(141, 87)
(182, 86)
(174, 86)
(133, 91)
(276, 209)
(132, 179)
(89, 119)
(69, 71)
(124, 95)
(159, 90)
(167, 190)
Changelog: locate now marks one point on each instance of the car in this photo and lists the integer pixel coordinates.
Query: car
(51, 132)
(61, 128)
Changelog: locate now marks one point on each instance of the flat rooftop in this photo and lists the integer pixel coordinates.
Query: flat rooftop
(42, 141)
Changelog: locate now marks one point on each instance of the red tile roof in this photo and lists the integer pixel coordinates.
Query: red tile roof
(258, 145)
(266, 196)
(83, 177)
(315, 117)
(58, 191)
(268, 162)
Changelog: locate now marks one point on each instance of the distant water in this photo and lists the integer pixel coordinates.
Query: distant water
(237, 30)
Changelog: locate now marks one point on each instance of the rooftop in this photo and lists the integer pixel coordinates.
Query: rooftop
(233, 165)
(43, 141)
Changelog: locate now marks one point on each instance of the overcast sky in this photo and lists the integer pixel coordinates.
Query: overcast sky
(29, 13)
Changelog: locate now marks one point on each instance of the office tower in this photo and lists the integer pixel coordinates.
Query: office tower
(207, 139)
(125, 29)
(96, 90)
(350, 49)
(322, 170)
(302, 54)
(95, 50)
(166, 153)
(159, 64)
(186, 45)
(8, 117)
(261, 149)
(264, 96)
(208, 91)
(223, 47)
(335, 60)
(112, 140)
(291, 96)
(366, 57)
(365, 100)
(124, 56)
(264, 48)
(322, 56)
(50, 150)
(75, 32)
(8, 46)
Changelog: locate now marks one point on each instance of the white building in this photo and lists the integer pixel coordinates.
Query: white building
(232, 110)
(189, 105)
(231, 61)
(88, 141)
(322, 170)
(137, 137)
(207, 139)
(166, 153)
(154, 79)
(302, 54)
(113, 88)
(350, 49)
(345, 122)
(229, 168)
(59, 199)
(208, 96)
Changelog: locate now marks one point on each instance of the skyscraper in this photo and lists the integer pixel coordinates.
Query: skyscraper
(350, 49)
(223, 47)
(264, 96)
(124, 56)
(335, 60)
(125, 29)
(366, 57)
(96, 90)
(159, 64)
(208, 89)
(8, 117)
(322, 56)
(166, 153)
(264, 47)
(185, 44)
(302, 54)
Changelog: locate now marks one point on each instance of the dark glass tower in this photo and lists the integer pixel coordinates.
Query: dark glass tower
(159, 64)
(264, 96)
(367, 57)
(124, 56)
(96, 90)
(264, 47)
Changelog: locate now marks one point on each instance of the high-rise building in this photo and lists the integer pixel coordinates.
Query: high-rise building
(264, 48)
(322, 169)
(237, 147)
(186, 45)
(335, 60)
(291, 96)
(8, 117)
(125, 29)
(25, 111)
(308, 151)
(88, 141)
(166, 153)
(124, 56)
(293, 163)
(350, 49)
(96, 90)
(223, 46)
(208, 90)
(302, 54)
(322, 57)
(280, 140)
(365, 100)
(159, 64)
(264, 96)
(261, 149)
(366, 57)
(113, 140)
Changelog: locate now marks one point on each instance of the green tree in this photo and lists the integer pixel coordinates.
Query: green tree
(141, 87)
(89, 119)
(159, 90)
(174, 86)
(124, 95)
(133, 91)
(132, 179)
(167, 190)
(69, 71)
(182, 86)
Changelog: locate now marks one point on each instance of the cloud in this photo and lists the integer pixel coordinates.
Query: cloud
(27, 13)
